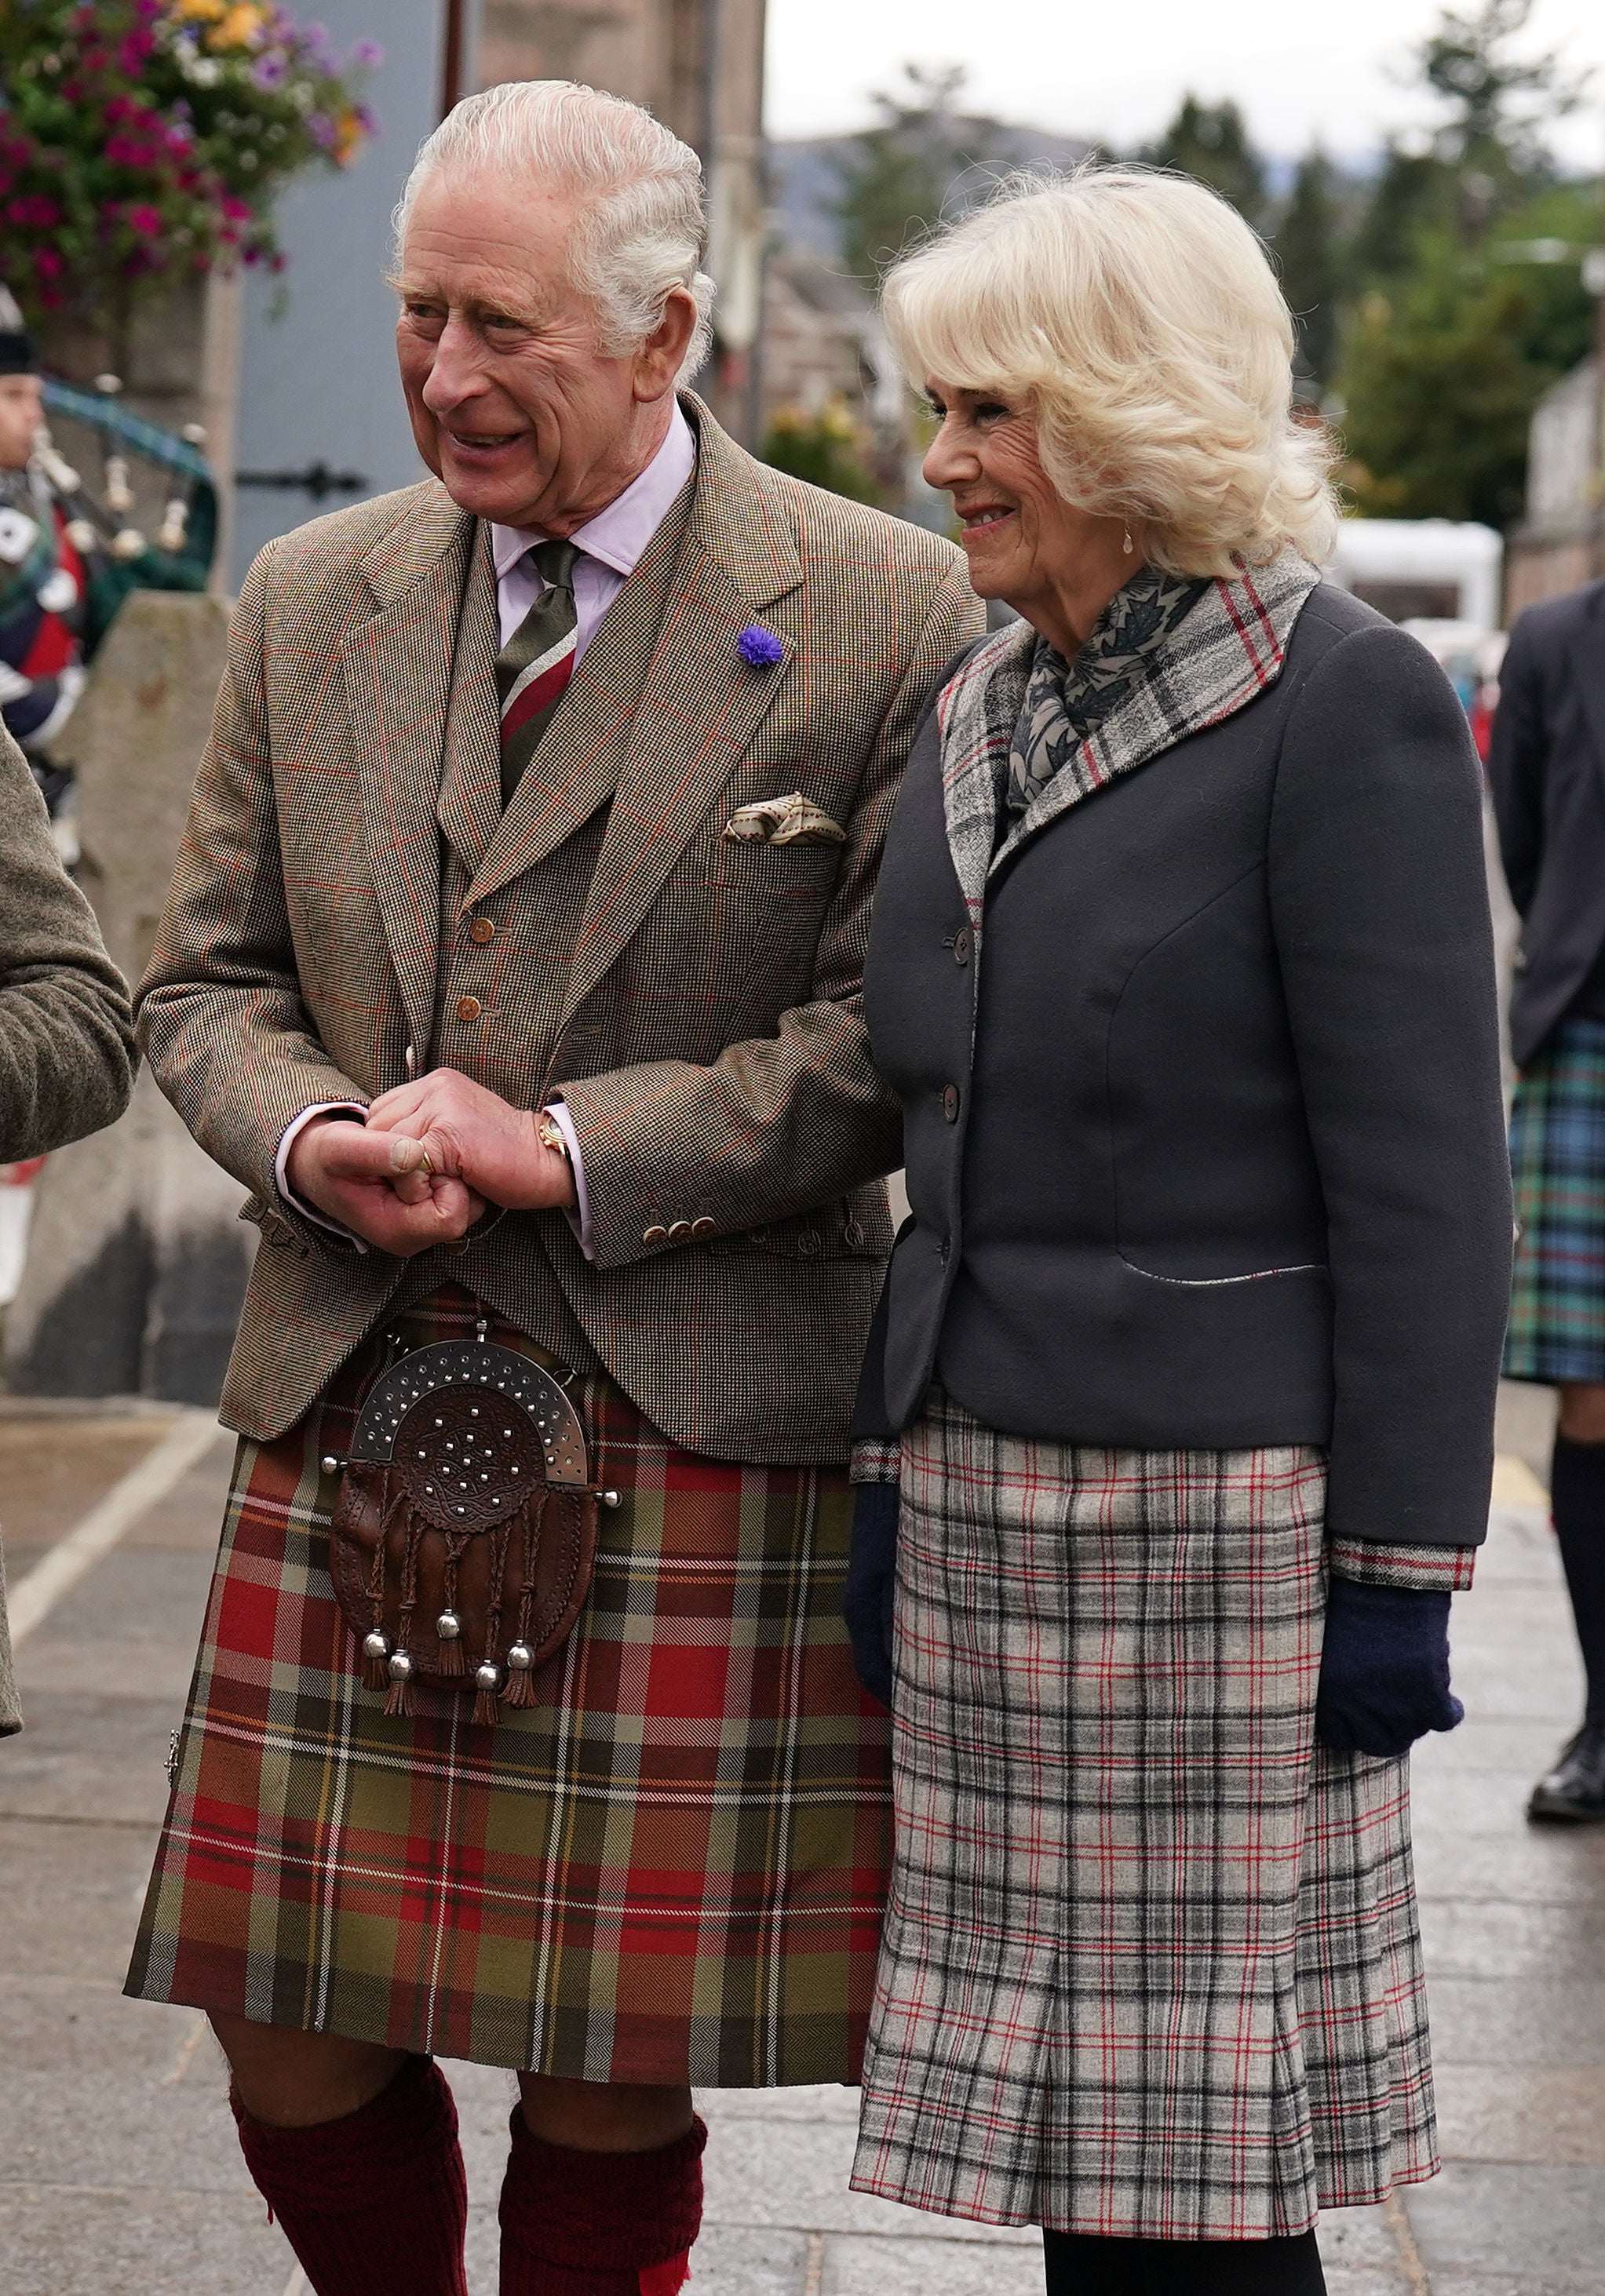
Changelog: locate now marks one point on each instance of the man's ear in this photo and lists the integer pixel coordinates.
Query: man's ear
(662, 354)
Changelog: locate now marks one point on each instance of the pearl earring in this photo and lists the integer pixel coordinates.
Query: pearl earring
(1126, 544)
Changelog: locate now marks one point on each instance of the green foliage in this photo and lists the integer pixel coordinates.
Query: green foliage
(896, 177)
(1439, 390)
(1459, 322)
(142, 140)
(1210, 142)
(1308, 244)
(828, 449)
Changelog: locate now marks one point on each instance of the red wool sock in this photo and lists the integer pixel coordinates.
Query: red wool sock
(375, 2203)
(600, 2224)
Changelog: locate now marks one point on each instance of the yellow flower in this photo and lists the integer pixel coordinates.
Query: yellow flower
(199, 12)
(239, 26)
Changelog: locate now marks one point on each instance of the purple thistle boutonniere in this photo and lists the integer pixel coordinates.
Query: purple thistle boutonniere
(760, 647)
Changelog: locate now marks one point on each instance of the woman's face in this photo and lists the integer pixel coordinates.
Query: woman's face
(1024, 542)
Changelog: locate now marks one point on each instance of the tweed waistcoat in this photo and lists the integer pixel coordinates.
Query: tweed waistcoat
(480, 977)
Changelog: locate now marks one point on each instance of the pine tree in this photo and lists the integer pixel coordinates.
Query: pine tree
(1309, 258)
(894, 179)
(1210, 142)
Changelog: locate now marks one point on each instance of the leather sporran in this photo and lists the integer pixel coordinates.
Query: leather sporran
(464, 1530)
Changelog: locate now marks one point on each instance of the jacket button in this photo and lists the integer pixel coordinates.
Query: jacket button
(852, 1234)
(961, 946)
(808, 1242)
(481, 931)
(950, 1099)
(703, 1226)
(655, 1234)
(679, 1230)
(469, 1008)
(944, 1250)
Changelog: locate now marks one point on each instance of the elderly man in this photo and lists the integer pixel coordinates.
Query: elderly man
(513, 962)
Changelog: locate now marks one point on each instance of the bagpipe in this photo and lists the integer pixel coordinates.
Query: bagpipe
(98, 523)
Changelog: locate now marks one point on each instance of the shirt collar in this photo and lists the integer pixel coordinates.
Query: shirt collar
(619, 535)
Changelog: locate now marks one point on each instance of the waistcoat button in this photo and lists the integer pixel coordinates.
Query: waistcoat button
(961, 946)
(481, 931)
(469, 1008)
(950, 1102)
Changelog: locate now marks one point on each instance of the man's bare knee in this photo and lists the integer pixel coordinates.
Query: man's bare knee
(290, 2079)
(603, 2116)
(1583, 1411)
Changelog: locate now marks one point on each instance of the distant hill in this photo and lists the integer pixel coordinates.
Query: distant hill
(803, 176)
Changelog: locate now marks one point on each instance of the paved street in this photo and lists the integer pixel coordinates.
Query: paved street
(117, 2165)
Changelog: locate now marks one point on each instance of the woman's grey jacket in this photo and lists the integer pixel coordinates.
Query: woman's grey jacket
(1203, 1130)
(66, 1037)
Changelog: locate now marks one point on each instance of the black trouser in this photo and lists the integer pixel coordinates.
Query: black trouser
(1088, 2264)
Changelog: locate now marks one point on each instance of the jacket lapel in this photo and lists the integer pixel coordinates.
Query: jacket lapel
(398, 671)
(1587, 651)
(469, 800)
(976, 712)
(701, 704)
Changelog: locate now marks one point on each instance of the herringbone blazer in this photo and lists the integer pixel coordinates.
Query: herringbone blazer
(695, 999)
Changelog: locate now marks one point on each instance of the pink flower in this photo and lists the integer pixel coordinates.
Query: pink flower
(236, 209)
(146, 221)
(48, 263)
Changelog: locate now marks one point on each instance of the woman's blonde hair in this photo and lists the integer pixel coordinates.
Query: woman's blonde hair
(1138, 314)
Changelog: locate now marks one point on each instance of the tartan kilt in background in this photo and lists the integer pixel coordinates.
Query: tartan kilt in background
(1151, 1965)
(1557, 1326)
(670, 1868)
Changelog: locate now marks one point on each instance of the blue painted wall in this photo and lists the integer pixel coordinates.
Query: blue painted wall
(318, 379)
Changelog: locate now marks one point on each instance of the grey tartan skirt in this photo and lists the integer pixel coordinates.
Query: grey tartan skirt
(1151, 1964)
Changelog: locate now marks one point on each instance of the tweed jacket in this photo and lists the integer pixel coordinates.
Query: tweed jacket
(694, 998)
(66, 1046)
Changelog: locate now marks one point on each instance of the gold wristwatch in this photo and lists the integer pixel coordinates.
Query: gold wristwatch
(551, 1135)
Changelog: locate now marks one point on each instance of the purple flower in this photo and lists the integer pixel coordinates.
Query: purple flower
(368, 55)
(759, 646)
(269, 71)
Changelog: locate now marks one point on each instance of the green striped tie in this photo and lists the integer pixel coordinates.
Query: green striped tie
(533, 669)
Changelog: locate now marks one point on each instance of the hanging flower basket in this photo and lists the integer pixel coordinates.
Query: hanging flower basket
(143, 142)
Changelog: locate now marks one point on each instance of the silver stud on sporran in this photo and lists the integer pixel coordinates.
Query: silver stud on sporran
(330, 1464)
(375, 1644)
(402, 1667)
(521, 1658)
(612, 1499)
(488, 1677)
(449, 1626)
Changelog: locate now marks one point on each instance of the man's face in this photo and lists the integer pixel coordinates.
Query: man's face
(514, 404)
(21, 412)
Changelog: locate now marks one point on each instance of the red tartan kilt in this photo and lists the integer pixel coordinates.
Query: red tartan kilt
(672, 1867)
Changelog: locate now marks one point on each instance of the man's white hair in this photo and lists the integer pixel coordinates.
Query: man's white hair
(641, 229)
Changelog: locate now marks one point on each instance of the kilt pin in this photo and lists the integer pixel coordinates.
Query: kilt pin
(670, 1867)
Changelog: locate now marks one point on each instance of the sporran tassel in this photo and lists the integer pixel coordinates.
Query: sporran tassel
(521, 1687)
(488, 1674)
(450, 1659)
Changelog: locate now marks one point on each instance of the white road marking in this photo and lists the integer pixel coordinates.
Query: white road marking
(96, 1534)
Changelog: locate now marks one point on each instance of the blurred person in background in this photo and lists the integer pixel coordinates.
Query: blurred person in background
(66, 1036)
(1547, 765)
(61, 582)
(1182, 970)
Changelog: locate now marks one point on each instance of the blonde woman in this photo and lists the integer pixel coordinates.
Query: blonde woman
(1180, 967)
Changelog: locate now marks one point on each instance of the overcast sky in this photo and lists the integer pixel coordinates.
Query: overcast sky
(1299, 68)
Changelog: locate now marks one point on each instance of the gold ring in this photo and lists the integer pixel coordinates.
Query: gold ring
(426, 1168)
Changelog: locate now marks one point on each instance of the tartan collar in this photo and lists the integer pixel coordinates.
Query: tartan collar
(1225, 653)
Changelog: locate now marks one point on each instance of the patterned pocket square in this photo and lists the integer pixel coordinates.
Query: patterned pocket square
(793, 820)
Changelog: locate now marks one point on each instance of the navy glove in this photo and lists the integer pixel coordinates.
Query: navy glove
(871, 1585)
(1384, 1669)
